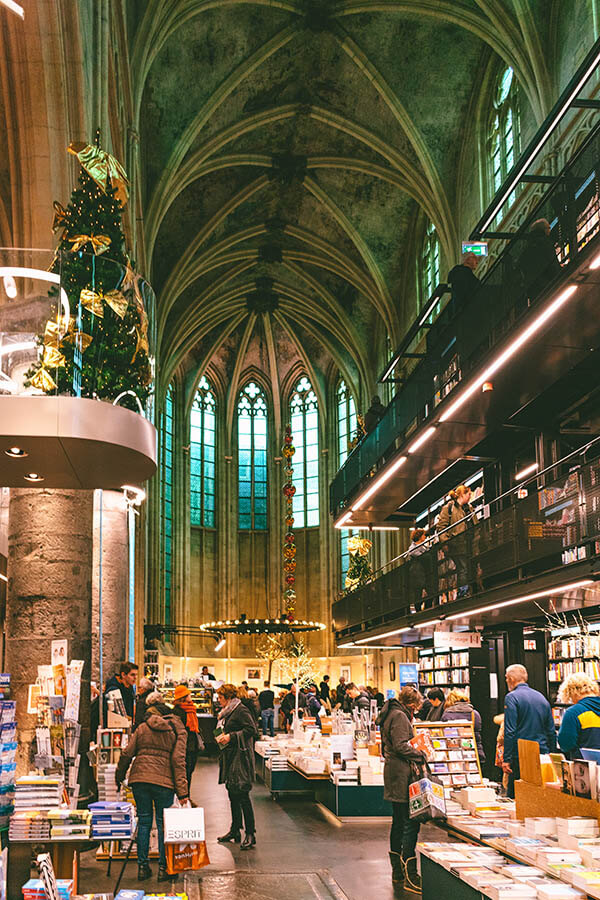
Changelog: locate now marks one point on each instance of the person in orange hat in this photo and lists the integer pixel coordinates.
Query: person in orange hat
(185, 709)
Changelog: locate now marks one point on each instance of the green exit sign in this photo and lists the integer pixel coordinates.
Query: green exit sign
(479, 248)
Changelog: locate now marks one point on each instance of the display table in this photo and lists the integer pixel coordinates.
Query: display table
(437, 882)
(65, 859)
(352, 802)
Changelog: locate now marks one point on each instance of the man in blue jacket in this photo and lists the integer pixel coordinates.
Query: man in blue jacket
(528, 717)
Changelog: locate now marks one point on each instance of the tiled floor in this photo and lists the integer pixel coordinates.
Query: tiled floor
(293, 837)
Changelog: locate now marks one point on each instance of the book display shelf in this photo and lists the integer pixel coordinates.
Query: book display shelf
(452, 751)
(444, 668)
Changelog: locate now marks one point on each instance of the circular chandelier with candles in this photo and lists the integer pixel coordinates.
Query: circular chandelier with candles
(245, 625)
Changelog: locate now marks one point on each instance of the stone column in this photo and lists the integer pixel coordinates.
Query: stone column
(49, 596)
(115, 582)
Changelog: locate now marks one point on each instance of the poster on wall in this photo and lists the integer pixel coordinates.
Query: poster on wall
(408, 674)
(59, 650)
(346, 673)
(254, 673)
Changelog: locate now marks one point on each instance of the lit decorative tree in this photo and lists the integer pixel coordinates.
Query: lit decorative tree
(359, 567)
(298, 666)
(102, 350)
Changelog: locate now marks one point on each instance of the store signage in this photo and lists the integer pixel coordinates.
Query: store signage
(479, 248)
(408, 673)
(456, 640)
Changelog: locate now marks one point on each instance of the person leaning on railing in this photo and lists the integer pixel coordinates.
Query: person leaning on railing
(457, 518)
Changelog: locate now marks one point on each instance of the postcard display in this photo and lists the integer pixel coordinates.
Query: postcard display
(452, 752)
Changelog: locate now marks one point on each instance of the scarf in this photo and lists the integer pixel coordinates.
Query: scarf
(227, 710)
(192, 719)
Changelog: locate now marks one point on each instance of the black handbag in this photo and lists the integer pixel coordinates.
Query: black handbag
(241, 770)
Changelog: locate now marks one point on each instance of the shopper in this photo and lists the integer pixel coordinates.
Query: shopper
(145, 689)
(340, 691)
(325, 690)
(464, 282)
(236, 763)
(538, 262)
(374, 414)
(459, 707)
(395, 722)
(124, 682)
(205, 675)
(459, 514)
(437, 704)
(527, 716)
(185, 709)
(580, 726)
(313, 704)
(357, 698)
(249, 702)
(266, 700)
(157, 748)
(288, 706)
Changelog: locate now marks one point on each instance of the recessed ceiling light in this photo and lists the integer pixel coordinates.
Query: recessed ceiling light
(33, 476)
(16, 453)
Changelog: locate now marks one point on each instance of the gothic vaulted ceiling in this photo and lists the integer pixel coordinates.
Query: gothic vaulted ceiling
(289, 148)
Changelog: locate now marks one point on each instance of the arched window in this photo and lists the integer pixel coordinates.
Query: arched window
(252, 458)
(167, 434)
(304, 410)
(430, 267)
(503, 134)
(202, 456)
(346, 420)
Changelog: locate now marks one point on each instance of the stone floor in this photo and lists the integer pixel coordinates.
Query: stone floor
(300, 853)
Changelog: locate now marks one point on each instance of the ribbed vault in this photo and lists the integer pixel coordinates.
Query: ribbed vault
(290, 148)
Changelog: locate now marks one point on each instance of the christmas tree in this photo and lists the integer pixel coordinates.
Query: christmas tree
(102, 349)
(359, 567)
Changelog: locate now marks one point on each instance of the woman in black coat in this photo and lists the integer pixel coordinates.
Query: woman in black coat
(395, 722)
(236, 763)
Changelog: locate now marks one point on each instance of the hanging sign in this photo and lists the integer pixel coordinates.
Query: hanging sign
(408, 673)
(456, 640)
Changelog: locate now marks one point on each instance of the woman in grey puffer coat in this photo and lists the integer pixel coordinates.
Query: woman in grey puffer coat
(395, 721)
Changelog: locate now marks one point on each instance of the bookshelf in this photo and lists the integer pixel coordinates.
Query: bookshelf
(455, 758)
(444, 669)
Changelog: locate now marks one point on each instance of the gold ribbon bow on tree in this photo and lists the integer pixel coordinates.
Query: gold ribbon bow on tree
(131, 282)
(61, 216)
(95, 300)
(103, 168)
(79, 338)
(43, 381)
(100, 242)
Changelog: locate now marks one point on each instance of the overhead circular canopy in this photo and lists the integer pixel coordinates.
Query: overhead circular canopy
(290, 147)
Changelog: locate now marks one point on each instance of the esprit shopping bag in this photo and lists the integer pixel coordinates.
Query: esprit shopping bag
(185, 838)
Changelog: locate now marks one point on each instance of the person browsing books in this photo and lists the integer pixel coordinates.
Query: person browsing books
(528, 717)
(122, 681)
(580, 726)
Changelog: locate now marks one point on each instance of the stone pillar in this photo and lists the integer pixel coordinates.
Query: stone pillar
(115, 582)
(49, 596)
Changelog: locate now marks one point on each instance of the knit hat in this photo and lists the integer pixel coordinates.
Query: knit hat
(181, 691)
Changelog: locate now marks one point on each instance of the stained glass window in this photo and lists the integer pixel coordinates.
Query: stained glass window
(252, 458)
(304, 410)
(202, 456)
(346, 420)
(504, 135)
(167, 437)
(430, 267)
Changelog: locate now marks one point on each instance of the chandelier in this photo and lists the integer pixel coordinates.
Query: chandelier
(244, 625)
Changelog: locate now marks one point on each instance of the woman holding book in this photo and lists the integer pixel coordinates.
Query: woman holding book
(395, 722)
(580, 726)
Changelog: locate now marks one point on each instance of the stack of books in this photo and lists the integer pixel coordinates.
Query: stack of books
(107, 785)
(70, 824)
(29, 825)
(112, 820)
(39, 792)
(34, 889)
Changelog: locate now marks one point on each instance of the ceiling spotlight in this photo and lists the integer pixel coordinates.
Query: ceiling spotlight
(220, 645)
(487, 386)
(16, 453)
(33, 476)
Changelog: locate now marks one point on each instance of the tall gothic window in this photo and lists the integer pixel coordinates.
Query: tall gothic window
(305, 431)
(503, 134)
(346, 420)
(430, 266)
(202, 456)
(252, 458)
(167, 437)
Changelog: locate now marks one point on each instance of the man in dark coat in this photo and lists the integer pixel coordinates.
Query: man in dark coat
(462, 279)
(124, 682)
(527, 716)
(395, 722)
(324, 688)
(538, 261)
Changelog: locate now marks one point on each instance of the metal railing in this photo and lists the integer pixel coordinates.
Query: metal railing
(514, 537)
(461, 337)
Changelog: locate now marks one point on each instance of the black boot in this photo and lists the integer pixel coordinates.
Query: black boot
(248, 842)
(397, 867)
(144, 872)
(232, 837)
(412, 879)
(163, 875)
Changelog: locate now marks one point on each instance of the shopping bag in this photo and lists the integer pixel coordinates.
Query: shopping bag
(426, 800)
(182, 857)
(184, 825)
